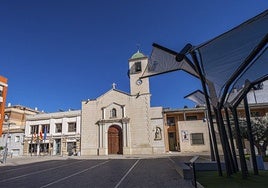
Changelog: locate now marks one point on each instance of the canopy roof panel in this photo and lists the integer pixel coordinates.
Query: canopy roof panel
(235, 98)
(163, 60)
(223, 56)
(198, 97)
(258, 70)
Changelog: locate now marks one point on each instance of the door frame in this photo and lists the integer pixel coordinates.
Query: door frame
(119, 140)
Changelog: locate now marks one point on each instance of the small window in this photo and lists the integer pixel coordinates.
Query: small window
(72, 127)
(17, 138)
(34, 129)
(191, 118)
(113, 113)
(45, 128)
(138, 66)
(197, 139)
(171, 121)
(58, 128)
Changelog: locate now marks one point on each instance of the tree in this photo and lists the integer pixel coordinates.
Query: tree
(259, 130)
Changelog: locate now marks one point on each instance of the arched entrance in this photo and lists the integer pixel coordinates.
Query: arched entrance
(115, 145)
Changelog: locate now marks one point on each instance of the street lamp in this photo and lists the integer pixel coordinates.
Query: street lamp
(6, 150)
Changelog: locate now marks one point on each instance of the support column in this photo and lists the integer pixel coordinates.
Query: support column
(100, 136)
(126, 137)
(38, 147)
(250, 137)
(125, 141)
(124, 112)
(243, 163)
(101, 148)
(105, 138)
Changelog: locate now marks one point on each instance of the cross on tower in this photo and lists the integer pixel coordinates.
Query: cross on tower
(114, 85)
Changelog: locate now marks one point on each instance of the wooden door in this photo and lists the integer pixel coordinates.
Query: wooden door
(115, 140)
(172, 141)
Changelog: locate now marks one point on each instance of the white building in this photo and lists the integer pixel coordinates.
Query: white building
(53, 133)
(14, 139)
(259, 94)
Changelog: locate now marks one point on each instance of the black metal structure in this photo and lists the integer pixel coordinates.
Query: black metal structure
(242, 96)
(203, 82)
(219, 63)
(231, 139)
(242, 46)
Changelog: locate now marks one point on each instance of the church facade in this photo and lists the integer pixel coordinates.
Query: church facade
(123, 123)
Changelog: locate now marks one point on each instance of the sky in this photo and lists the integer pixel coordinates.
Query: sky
(57, 53)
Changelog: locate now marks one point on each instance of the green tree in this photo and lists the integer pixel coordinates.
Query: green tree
(259, 130)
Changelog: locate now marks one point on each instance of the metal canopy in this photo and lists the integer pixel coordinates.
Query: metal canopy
(163, 60)
(223, 58)
(237, 97)
(198, 97)
(257, 71)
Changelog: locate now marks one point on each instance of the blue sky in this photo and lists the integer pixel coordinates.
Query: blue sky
(56, 53)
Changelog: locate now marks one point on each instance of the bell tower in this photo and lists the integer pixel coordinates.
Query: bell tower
(137, 64)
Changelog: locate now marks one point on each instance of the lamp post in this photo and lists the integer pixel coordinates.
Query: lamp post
(6, 150)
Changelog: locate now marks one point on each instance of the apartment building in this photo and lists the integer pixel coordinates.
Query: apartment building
(13, 128)
(3, 94)
(186, 130)
(55, 133)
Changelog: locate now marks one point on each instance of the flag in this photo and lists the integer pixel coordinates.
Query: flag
(41, 135)
(164, 60)
(45, 133)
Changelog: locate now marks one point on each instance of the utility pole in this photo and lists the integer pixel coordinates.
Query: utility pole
(6, 150)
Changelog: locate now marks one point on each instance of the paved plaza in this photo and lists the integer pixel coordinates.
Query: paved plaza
(109, 171)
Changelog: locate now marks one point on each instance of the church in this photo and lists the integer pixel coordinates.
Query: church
(123, 123)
